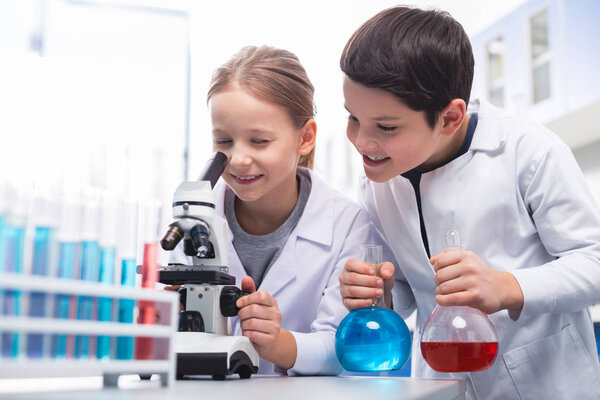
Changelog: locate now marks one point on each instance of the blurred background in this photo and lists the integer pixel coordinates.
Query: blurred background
(112, 94)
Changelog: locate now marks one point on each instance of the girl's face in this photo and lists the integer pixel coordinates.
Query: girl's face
(261, 142)
(391, 137)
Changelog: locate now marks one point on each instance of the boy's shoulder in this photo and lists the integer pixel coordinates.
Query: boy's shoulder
(499, 130)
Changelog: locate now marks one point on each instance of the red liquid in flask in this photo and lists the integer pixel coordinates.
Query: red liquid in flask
(459, 356)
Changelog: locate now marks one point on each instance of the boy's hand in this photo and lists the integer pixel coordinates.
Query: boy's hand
(358, 284)
(260, 318)
(464, 279)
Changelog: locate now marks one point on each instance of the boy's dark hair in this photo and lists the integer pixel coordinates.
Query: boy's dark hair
(424, 57)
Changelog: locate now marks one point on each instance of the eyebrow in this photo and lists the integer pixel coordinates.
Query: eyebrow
(380, 118)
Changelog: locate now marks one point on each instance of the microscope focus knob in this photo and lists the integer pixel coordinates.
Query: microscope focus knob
(229, 295)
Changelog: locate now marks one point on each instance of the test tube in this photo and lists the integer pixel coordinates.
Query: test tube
(90, 262)
(108, 232)
(44, 220)
(144, 346)
(14, 251)
(69, 259)
(2, 224)
(126, 245)
(2, 246)
(3, 209)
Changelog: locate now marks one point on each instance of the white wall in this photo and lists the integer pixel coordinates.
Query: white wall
(573, 109)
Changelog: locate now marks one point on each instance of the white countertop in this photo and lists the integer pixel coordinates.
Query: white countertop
(257, 387)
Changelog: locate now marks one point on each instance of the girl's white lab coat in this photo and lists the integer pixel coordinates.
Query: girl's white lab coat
(304, 278)
(520, 202)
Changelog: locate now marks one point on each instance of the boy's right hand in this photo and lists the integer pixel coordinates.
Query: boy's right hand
(359, 284)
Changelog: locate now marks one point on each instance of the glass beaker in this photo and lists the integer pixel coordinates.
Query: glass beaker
(458, 338)
(373, 338)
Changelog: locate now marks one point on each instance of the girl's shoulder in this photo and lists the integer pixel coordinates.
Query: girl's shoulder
(329, 214)
(323, 194)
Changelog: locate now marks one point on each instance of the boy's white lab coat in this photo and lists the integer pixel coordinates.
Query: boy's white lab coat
(520, 202)
(304, 278)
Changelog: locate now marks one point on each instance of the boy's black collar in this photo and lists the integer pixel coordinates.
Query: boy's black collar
(413, 173)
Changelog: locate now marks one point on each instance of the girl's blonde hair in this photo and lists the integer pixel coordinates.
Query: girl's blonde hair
(273, 75)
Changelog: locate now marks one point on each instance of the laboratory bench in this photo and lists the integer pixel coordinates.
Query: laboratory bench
(260, 387)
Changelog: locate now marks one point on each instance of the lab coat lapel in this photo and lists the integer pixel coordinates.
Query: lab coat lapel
(283, 270)
(233, 260)
(315, 225)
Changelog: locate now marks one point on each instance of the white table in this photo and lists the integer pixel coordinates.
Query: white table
(267, 388)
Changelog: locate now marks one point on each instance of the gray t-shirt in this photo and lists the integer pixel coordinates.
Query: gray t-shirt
(258, 253)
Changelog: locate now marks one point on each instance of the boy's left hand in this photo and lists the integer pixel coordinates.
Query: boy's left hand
(464, 279)
(260, 318)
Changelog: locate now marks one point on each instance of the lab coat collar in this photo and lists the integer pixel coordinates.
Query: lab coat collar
(283, 271)
(318, 208)
(490, 134)
(316, 223)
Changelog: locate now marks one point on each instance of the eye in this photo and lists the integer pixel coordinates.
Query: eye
(352, 118)
(222, 142)
(260, 141)
(386, 128)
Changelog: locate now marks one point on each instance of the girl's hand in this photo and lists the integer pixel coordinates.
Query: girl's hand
(174, 288)
(359, 284)
(464, 279)
(260, 318)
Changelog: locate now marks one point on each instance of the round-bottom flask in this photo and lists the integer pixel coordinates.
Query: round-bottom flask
(458, 338)
(373, 338)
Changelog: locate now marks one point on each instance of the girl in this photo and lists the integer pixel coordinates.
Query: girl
(290, 233)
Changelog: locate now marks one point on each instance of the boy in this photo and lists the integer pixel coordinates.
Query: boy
(513, 190)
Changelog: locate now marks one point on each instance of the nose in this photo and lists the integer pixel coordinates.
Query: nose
(364, 142)
(238, 157)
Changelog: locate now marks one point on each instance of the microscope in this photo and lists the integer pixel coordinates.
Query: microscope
(203, 343)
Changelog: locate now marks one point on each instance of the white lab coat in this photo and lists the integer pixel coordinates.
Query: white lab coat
(304, 278)
(520, 202)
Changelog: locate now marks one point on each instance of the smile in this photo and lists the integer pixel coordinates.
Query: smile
(246, 178)
(374, 161)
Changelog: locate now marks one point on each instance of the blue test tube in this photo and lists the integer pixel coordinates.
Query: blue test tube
(2, 223)
(90, 262)
(44, 220)
(127, 255)
(108, 240)
(14, 251)
(2, 256)
(69, 260)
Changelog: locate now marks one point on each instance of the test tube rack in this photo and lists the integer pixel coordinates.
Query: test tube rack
(110, 369)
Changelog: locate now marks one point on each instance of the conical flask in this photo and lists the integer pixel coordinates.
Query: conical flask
(458, 338)
(373, 338)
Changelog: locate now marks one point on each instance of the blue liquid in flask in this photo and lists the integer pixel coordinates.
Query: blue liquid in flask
(372, 339)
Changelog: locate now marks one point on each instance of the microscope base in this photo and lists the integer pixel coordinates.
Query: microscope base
(200, 353)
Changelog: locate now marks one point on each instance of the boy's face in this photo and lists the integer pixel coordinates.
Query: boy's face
(391, 137)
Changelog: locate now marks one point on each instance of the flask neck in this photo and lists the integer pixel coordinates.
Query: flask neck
(378, 302)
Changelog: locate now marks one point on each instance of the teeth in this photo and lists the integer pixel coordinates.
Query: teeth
(375, 158)
(247, 178)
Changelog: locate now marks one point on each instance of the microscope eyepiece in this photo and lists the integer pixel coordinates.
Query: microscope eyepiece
(214, 168)
(172, 237)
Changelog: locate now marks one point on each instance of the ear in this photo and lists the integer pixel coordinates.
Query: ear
(308, 137)
(453, 116)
